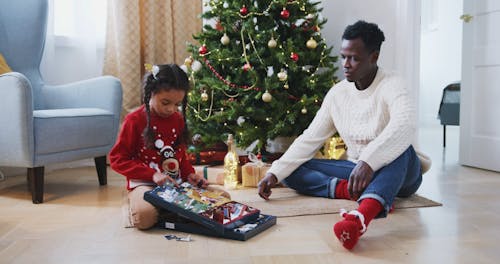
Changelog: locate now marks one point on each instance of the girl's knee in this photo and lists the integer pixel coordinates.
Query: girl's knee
(144, 217)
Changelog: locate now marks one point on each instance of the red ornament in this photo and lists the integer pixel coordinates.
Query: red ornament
(247, 67)
(203, 50)
(218, 26)
(294, 56)
(285, 14)
(244, 11)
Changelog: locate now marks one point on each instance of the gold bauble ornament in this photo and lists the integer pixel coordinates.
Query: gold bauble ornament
(188, 61)
(286, 86)
(224, 39)
(272, 43)
(204, 96)
(267, 97)
(282, 75)
(311, 43)
(304, 111)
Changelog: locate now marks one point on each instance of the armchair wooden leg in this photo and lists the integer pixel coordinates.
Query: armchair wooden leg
(35, 182)
(444, 136)
(100, 166)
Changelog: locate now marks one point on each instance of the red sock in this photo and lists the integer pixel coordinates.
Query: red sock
(341, 191)
(370, 208)
(355, 222)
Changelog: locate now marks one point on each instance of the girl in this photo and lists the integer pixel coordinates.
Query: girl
(151, 146)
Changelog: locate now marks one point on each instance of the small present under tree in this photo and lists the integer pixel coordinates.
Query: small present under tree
(260, 72)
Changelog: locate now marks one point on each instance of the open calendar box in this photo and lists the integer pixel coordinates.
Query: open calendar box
(208, 212)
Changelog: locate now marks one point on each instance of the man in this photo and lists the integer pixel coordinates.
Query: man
(373, 113)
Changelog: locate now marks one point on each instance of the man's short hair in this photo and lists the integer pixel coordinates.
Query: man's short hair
(370, 33)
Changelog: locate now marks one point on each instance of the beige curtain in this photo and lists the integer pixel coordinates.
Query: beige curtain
(147, 31)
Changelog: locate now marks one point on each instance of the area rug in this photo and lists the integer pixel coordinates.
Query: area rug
(285, 202)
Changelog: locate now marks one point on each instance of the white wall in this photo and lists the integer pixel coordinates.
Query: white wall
(441, 54)
(397, 19)
(343, 13)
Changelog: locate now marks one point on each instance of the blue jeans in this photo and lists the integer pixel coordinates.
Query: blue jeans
(318, 177)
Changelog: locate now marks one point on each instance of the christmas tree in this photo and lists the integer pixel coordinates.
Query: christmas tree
(261, 71)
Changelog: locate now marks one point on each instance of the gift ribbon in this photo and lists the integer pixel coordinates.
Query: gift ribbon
(205, 172)
(253, 159)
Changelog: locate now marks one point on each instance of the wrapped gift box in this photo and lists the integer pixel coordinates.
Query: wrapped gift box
(252, 173)
(214, 174)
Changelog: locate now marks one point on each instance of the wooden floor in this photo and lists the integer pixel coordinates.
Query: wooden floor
(80, 222)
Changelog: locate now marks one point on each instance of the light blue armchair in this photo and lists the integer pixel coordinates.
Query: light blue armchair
(42, 124)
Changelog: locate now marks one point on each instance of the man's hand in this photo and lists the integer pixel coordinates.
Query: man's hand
(269, 181)
(360, 177)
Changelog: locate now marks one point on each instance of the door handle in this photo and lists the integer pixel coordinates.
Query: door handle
(466, 17)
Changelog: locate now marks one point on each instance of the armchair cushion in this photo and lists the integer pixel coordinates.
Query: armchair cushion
(59, 130)
(4, 67)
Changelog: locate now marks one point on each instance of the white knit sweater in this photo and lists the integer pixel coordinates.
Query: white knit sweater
(377, 124)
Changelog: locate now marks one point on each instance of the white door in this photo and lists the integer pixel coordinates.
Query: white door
(480, 86)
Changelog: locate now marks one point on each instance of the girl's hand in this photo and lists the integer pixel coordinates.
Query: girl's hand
(160, 179)
(197, 180)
